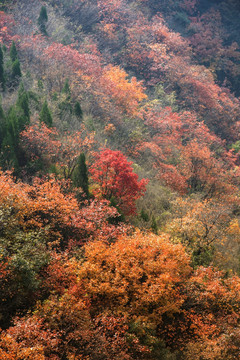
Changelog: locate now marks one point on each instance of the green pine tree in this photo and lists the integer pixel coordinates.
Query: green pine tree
(78, 110)
(13, 52)
(116, 219)
(12, 124)
(66, 88)
(80, 178)
(144, 215)
(45, 115)
(43, 17)
(23, 103)
(2, 76)
(16, 71)
(42, 20)
(2, 125)
(13, 154)
(154, 226)
(8, 158)
(65, 105)
(10, 142)
(42, 28)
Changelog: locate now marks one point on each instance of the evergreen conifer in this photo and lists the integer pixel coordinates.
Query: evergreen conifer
(119, 218)
(66, 88)
(2, 125)
(13, 52)
(45, 115)
(23, 102)
(10, 141)
(78, 110)
(80, 178)
(12, 124)
(42, 20)
(2, 77)
(154, 226)
(8, 158)
(144, 215)
(16, 71)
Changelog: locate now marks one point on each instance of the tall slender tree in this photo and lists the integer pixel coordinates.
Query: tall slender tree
(42, 20)
(13, 52)
(23, 101)
(16, 72)
(2, 76)
(2, 125)
(45, 115)
(80, 178)
(78, 110)
(66, 88)
(10, 141)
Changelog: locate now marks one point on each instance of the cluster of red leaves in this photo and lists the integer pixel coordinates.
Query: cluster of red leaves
(115, 179)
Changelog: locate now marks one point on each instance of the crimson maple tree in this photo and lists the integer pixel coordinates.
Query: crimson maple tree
(115, 179)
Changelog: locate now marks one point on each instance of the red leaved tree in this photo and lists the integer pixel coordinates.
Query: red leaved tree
(116, 180)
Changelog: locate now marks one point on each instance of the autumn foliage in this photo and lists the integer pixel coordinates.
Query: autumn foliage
(119, 180)
(126, 297)
(116, 180)
(45, 205)
(6, 32)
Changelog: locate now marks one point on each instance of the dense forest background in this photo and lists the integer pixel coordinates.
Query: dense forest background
(119, 181)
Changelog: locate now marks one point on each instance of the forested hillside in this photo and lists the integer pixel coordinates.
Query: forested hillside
(119, 180)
